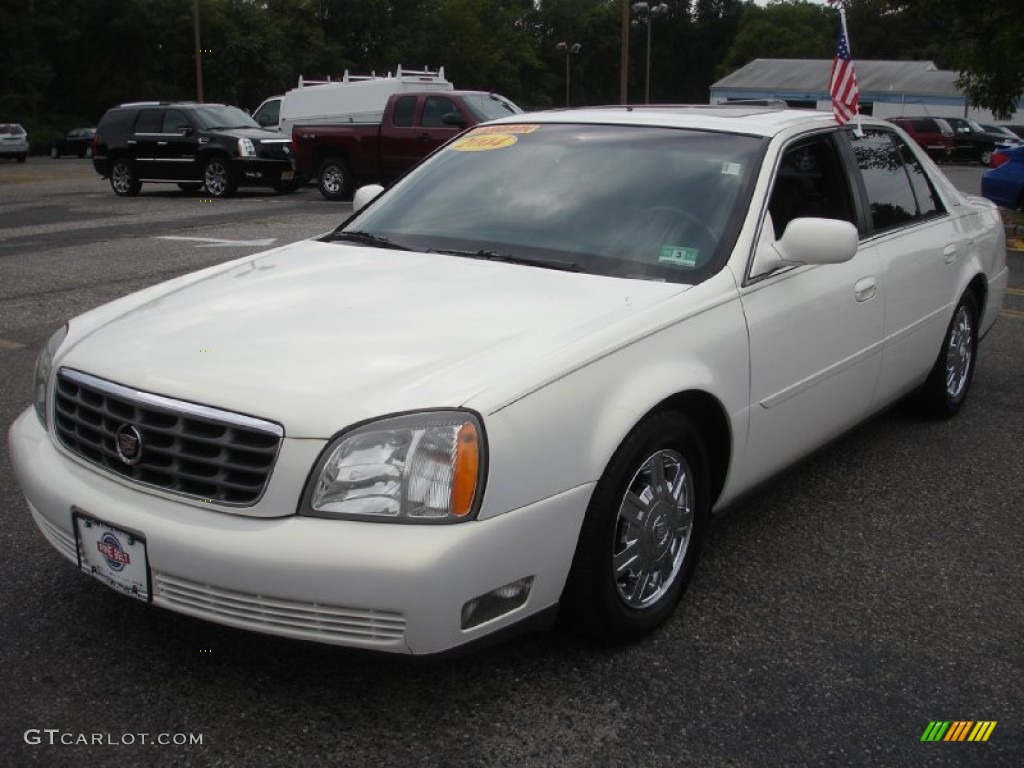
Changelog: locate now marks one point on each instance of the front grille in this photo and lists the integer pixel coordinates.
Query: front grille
(314, 621)
(202, 452)
(275, 150)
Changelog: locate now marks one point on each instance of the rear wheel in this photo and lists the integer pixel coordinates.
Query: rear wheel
(986, 157)
(950, 379)
(218, 177)
(642, 532)
(123, 178)
(335, 179)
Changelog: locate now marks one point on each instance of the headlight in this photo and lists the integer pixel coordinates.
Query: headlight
(246, 148)
(419, 467)
(44, 364)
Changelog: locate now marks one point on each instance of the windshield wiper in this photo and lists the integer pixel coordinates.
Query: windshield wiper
(486, 255)
(365, 238)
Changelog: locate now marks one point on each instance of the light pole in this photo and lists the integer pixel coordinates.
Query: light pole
(568, 49)
(647, 12)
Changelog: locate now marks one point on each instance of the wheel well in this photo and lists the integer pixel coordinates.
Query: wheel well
(978, 287)
(328, 153)
(710, 419)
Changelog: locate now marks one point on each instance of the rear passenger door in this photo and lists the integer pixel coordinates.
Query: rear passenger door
(142, 144)
(417, 129)
(918, 247)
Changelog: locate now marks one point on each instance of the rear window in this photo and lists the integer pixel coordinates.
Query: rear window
(11, 129)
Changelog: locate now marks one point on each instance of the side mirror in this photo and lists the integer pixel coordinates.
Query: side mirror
(805, 241)
(455, 119)
(365, 195)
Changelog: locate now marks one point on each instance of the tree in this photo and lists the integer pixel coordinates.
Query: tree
(782, 30)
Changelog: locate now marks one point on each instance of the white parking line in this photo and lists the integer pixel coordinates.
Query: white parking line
(219, 242)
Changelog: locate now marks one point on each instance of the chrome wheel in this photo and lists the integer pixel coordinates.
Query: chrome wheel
(333, 180)
(959, 353)
(122, 178)
(652, 530)
(216, 178)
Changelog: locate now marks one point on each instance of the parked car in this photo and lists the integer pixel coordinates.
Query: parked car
(518, 381)
(933, 134)
(1010, 139)
(411, 126)
(1003, 184)
(76, 142)
(211, 146)
(972, 141)
(13, 141)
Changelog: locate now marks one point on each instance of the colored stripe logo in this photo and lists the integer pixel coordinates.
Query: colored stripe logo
(958, 730)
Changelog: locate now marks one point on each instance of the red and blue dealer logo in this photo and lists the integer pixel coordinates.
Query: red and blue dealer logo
(113, 552)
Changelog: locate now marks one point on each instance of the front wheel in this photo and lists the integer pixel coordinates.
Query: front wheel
(335, 179)
(218, 178)
(950, 379)
(123, 178)
(641, 535)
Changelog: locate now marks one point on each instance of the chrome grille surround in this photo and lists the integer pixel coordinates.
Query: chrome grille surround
(187, 449)
(313, 621)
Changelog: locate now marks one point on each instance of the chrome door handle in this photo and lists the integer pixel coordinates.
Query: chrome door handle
(161, 143)
(949, 253)
(865, 289)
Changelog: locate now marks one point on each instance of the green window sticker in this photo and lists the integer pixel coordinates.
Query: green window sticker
(681, 255)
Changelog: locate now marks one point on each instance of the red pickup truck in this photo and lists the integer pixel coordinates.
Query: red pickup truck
(340, 156)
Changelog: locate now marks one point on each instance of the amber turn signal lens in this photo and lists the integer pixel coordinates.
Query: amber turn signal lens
(465, 470)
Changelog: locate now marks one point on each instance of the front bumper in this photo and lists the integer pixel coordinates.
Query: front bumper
(259, 170)
(387, 587)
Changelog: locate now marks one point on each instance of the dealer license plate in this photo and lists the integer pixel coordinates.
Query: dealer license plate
(287, 175)
(113, 555)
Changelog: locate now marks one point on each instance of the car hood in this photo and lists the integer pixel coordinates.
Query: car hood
(318, 336)
(256, 134)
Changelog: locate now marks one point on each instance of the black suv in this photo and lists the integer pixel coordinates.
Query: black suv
(972, 140)
(194, 145)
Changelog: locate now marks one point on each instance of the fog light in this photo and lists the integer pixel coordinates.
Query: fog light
(496, 603)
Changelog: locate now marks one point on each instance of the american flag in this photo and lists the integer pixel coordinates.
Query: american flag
(843, 84)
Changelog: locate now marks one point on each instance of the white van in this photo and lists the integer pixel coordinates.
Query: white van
(353, 99)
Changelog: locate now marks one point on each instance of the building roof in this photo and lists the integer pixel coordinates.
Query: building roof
(921, 78)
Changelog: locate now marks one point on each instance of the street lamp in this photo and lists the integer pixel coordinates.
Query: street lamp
(568, 49)
(647, 12)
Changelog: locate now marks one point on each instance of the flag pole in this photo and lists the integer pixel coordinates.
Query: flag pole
(859, 131)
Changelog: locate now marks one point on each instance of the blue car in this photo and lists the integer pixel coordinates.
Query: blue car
(1004, 183)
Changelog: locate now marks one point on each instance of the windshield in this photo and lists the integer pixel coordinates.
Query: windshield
(649, 203)
(223, 117)
(489, 106)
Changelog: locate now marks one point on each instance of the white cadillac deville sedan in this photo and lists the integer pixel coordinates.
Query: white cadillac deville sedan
(520, 380)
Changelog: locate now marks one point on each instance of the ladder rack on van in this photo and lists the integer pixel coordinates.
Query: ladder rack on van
(404, 75)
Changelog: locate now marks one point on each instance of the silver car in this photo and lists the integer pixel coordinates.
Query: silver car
(13, 141)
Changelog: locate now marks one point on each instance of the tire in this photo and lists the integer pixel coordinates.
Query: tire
(123, 178)
(218, 178)
(190, 187)
(641, 536)
(54, 153)
(334, 178)
(21, 158)
(986, 157)
(87, 154)
(950, 379)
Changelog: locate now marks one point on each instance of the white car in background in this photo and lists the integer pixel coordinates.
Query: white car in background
(13, 141)
(520, 380)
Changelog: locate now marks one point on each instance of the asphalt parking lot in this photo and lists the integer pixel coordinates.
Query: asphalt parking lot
(875, 588)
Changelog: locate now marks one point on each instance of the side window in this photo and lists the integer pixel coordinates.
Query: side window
(434, 110)
(174, 121)
(405, 108)
(890, 195)
(928, 202)
(810, 182)
(269, 115)
(150, 121)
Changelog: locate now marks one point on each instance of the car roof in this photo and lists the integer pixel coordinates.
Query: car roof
(756, 120)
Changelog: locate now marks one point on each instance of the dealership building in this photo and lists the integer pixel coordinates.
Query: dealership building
(887, 88)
